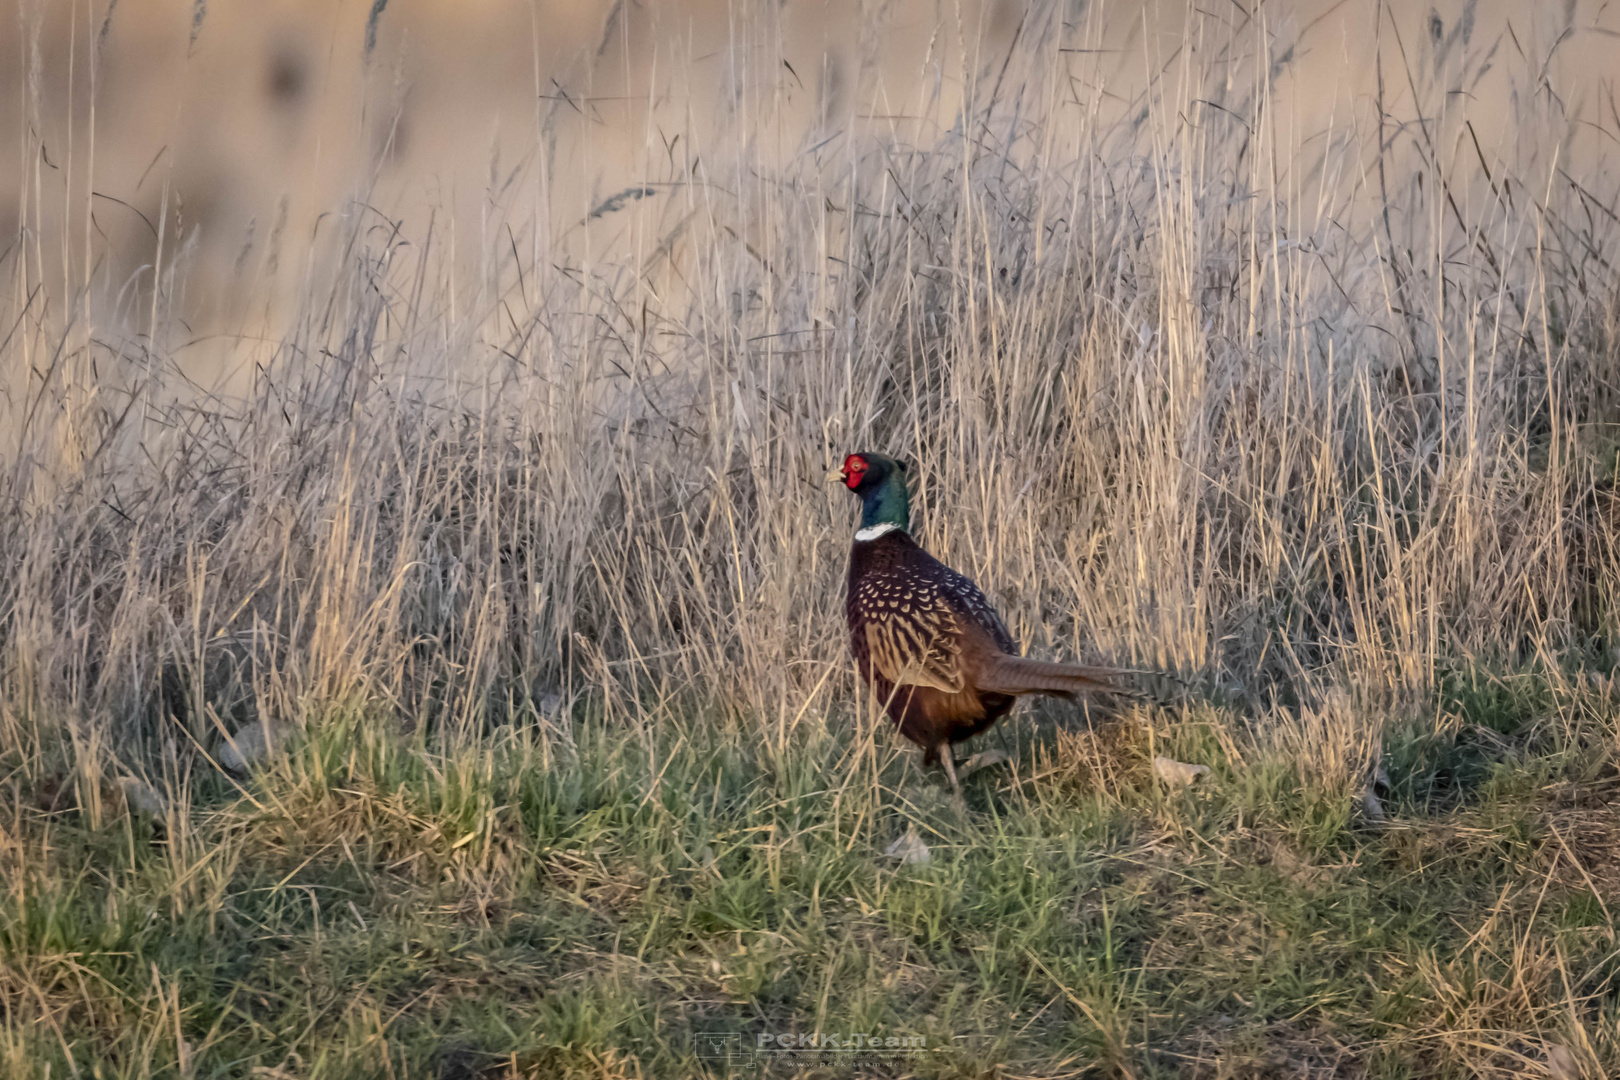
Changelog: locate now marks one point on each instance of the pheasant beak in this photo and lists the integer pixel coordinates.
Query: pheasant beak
(835, 475)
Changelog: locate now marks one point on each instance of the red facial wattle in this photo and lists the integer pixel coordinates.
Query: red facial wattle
(854, 470)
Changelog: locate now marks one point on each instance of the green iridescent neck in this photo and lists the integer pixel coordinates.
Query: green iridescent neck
(887, 504)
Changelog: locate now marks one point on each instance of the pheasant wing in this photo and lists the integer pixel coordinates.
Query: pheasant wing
(969, 603)
(918, 647)
(995, 663)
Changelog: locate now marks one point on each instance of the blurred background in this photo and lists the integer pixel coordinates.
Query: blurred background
(206, 147)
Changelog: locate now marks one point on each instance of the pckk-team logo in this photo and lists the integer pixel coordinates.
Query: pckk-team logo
(736, 1048)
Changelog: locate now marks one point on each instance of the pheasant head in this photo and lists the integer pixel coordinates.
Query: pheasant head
(880, 482)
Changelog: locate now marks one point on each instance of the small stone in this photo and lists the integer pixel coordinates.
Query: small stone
(910, 849)
(142, 797)
(1178, 774)
(250, 746)
(1561, 1063)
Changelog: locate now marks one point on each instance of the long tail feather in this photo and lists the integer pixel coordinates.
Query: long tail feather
(1019, 675)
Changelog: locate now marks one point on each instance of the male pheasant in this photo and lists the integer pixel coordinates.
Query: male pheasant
(931, 646)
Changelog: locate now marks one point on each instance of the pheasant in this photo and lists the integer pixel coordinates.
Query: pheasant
(924, 637)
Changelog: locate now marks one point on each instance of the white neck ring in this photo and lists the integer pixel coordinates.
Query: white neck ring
(872, 532)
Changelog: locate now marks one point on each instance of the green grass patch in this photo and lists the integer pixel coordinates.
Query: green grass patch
(612, 902)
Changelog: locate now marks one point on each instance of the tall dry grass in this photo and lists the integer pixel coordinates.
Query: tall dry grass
(1272, 410)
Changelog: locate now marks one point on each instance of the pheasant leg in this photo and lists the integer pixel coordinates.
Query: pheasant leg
(950, 771)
